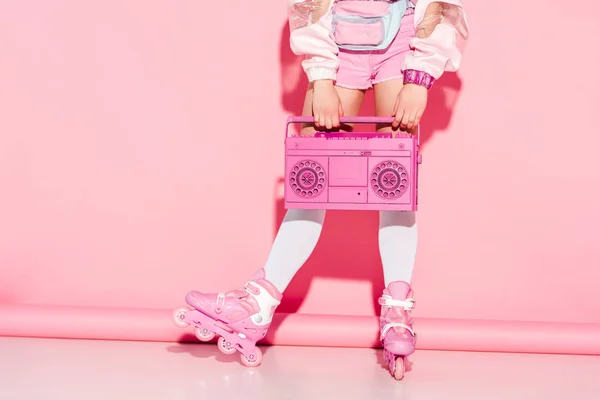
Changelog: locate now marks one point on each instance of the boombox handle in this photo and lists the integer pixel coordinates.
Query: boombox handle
(348, 120)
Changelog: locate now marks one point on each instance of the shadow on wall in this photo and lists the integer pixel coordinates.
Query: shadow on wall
(354, 231)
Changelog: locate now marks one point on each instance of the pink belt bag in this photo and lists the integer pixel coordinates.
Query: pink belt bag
(367, 25)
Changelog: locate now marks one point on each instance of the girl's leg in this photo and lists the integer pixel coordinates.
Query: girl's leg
(301, 229)
(397, 229)
(295, 241)
(242, 317)
(398, 247)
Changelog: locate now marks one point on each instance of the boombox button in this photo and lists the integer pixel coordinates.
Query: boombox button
(419, 159)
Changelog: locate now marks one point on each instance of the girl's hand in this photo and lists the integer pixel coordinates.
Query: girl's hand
(327, 108)
(410, 106)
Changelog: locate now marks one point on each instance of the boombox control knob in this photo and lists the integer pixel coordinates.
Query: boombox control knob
(389, 180)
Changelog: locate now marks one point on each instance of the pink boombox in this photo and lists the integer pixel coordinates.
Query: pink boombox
(351, 171)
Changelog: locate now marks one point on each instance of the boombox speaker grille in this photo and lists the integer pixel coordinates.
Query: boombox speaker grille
(389, 180)
(307, 178)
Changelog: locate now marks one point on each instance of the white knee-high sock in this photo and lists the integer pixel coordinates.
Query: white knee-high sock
(397, 245)
(294, 243)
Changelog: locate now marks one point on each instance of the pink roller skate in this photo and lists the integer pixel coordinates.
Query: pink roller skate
(397, 336)
(241, 317)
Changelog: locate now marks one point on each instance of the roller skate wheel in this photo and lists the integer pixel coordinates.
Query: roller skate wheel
(255, 360)
(399, 368)
(179, 317)
(225, 347)
(203, 334)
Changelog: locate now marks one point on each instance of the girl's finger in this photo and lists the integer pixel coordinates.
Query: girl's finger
(418, 117)
(316, 120)
(328, 123)
(405, 119)
(398, 118)
(395, 112)
(411, 121)
(339, 115)
(335, 120)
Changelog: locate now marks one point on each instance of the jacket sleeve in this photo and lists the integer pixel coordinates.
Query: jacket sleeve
(310, 36)
(442, 29)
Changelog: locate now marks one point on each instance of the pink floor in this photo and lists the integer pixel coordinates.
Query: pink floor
(77, 369)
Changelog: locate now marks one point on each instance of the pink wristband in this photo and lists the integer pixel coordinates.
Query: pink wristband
(418, 78)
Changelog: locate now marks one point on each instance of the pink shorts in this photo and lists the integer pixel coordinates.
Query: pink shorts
(363, 69)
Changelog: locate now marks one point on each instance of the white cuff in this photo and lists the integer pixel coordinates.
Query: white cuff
(320, 73)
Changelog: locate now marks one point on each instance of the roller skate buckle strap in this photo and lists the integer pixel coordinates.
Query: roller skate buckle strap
(266, 303)
(391, 325)
(252, 288)
(387, 301)
(220, 303)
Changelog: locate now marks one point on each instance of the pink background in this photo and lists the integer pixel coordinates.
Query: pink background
(141, 156)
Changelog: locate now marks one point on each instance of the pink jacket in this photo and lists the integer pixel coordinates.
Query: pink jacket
(310, 26)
